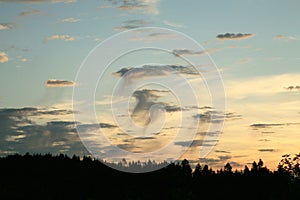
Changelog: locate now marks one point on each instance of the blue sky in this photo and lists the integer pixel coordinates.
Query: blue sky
(43, 40)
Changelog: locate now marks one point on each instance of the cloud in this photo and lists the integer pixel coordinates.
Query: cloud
(146, 99)
(262, 125)
(143, 6)
(187, 52)
(5, 26)
(154, 70)
(293, 88)
(279, 37)
(38, 1)
(265, 125)
(38, 130)
(3, 57)
(286, 38)
(196, 143)
(266, 150)
(59, 83)
(131, 24)
(256, 126)
(219, 160)
(221, 151)
(234, 36)
(61, 37)
(211, 116)
(70, 20)
(30, 12)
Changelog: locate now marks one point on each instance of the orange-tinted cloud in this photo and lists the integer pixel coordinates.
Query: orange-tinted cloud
(3, 57)
(59, 83)
(62, 37)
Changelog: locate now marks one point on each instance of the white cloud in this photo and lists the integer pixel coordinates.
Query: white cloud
(70, 20)
(61, 37)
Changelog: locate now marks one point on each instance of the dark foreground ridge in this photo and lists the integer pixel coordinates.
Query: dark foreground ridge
(62, 177)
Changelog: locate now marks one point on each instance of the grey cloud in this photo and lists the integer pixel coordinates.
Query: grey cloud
(145, 99)
(265, 125)
(293, 88)
(20, 134)
(30, 12)
(187, 52)
(59, 83)
(196, 143)
(145, 6)
(221, 151)
(216, 117)
(266, 150)
(132, 24)
(234, 36)
(89, 127)
(152, 70)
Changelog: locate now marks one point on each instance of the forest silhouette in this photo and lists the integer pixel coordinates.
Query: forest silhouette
(61, 177)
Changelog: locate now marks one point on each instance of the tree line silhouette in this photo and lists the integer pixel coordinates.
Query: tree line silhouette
(62, 177)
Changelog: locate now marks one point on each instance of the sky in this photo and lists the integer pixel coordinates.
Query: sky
(234, 96)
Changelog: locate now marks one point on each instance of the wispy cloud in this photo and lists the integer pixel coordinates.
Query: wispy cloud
(262, 125)
(30, 12)
(131, 24)
(271, 125)
(70, 20)
(187, 52)
(3, 57)
(62, 37)
(59, 83)
(155, 37)
(234, 36)
(286, 37)
(266, 150)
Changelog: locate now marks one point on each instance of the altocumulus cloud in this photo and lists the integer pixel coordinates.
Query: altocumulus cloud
(61, 37)
(3, 57)
(234, 36)
(59, 83)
